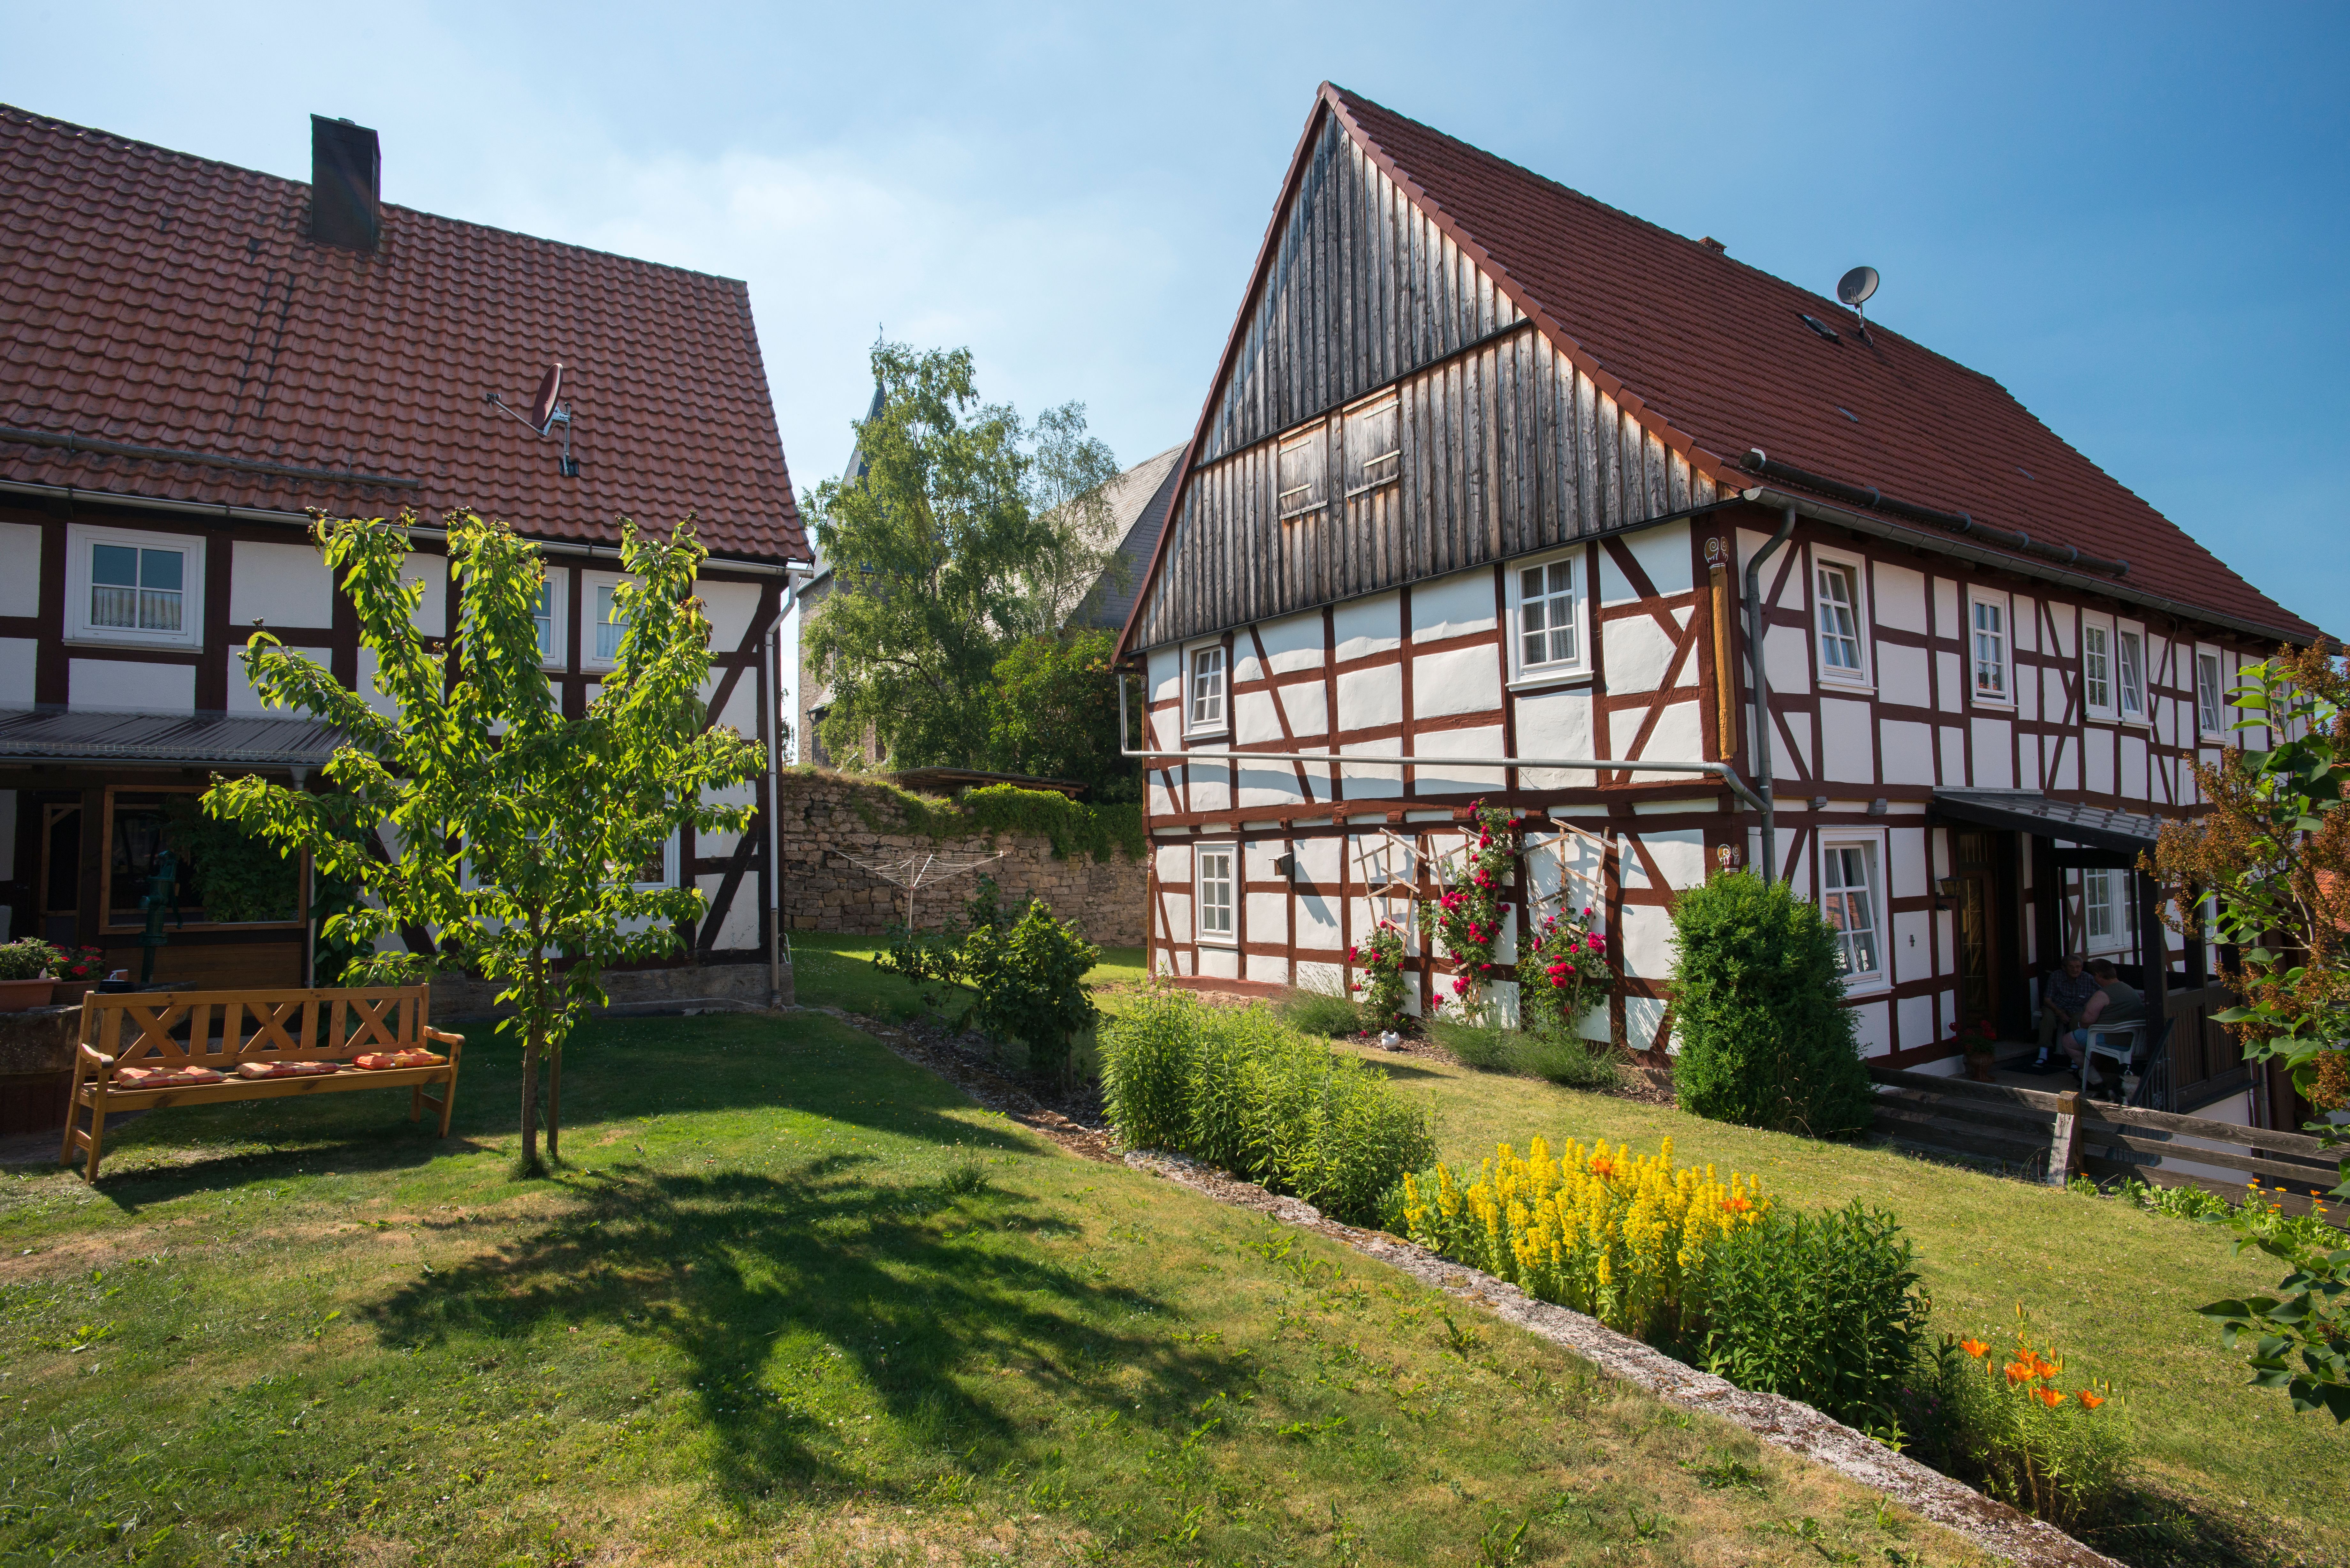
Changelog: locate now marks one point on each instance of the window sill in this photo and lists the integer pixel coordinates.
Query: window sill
(1227, 943)
(157, 644)
(1544, 682)
(1856, 685)
(1865, 986)
(1218, 733)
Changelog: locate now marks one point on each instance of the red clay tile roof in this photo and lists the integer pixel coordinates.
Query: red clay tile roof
(154, 299)
(1719, 355)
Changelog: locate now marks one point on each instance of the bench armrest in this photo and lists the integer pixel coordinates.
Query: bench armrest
(95, 1057)
(442, 1035)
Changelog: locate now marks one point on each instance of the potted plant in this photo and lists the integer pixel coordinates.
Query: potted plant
(1981, 1045)
(25, 974)
(78, 971)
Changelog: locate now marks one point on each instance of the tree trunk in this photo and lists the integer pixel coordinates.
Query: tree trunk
(555, 1105)
(530, 1102)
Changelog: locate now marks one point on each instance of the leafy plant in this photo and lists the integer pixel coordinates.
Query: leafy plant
(2009, 1425)
(1625, 1238)
(1030, 977)
(1319, 1012)
(965, 531)
(2302, 1334)
(1053, 714)
(2274, 849)
(1819, 1307)
(517, 829)
(1563, 973)
(27, 958)
(1384, 985)
(1570, 1062)
(1766, 1040)
(1468, 917)
(78, 963)
(1234, 1087)
(244, 878)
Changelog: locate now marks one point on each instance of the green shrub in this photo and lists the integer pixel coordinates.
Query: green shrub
(1819, 1307)
(1237, 1089)
(1147, 1071)
(2009, 1421)
(1318, 1013)
(1030, 977)
(1758, 999)
(26, 959)
(1569, 1063)
(1564, 1060)
(922, 956)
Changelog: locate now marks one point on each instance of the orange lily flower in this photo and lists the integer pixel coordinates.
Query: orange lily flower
(2019, 1372)
(2090, 1401)
(2048, 1396)
(2044, 1369)
(1974, 1347)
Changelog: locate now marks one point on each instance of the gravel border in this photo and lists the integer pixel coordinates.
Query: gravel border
(1783, 1423)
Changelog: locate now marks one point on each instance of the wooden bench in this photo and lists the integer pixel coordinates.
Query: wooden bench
(174, 1030)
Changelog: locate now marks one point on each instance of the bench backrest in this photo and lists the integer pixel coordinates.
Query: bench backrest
(218, 1029)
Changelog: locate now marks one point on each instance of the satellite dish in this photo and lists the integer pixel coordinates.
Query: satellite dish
(550, 386)
(1854, 289)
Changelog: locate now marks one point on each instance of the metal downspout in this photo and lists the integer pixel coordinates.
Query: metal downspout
(1760, 769)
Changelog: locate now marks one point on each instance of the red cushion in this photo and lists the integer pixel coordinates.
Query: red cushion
(163, 1077)
(287, 1069)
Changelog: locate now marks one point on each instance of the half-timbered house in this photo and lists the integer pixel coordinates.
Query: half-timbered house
(1497, 493)
(198, 357)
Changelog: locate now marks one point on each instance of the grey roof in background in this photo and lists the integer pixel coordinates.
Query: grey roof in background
(2033, 812)
(1138, 502)
(187, 739)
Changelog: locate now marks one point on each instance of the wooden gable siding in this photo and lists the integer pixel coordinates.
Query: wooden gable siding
(1507, 448)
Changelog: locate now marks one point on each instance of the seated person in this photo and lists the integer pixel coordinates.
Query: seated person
(2114, 1008)
(2063, 998)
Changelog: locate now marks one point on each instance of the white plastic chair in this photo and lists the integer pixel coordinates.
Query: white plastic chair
(2121, 1044)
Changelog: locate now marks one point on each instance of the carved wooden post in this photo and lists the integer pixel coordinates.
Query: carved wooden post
(2064, 1147)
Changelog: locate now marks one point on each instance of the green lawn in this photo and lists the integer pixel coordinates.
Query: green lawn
(791, 1300)
(2112, 1287)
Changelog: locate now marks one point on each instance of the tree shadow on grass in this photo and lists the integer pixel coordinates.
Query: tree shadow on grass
(617, 1072)
(775, 1285)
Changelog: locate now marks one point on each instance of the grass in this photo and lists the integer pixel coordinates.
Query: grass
(2112, 1287)
(791, 1300)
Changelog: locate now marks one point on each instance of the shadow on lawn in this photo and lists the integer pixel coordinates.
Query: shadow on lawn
(774, 1285)
(614, 1073)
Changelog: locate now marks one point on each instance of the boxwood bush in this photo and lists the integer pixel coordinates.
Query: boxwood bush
(1236, 1087)
(1758, 999)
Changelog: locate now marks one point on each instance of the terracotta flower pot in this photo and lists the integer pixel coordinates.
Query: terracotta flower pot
(70, 993)
(17, 995)
(1978, 1063)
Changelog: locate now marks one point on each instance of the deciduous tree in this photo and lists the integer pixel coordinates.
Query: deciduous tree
(515, 833)
(968, 531)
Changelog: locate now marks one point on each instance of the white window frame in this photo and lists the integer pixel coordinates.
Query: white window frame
(2125, 637)
(81, 538)
(1390, 462)
(1201, 932)
(1221, 721)
(1873, 860)
(1855, 572)
(591, 588)
(1579, 595)
(2119, 908)
(1315, 491)
(2212, 700)
(2092, 705)
(558, 623)
(669, 847)
(2005, 696)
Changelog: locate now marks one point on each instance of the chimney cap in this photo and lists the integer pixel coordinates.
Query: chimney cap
(1714, 245)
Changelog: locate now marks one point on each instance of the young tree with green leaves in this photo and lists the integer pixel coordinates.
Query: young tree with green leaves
(1054, 714)
(515, 833)
(2275, 854)
(969, 532)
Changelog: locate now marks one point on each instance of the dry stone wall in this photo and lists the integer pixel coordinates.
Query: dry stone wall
(819, 816)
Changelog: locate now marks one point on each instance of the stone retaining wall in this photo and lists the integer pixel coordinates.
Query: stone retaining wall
(817, 818)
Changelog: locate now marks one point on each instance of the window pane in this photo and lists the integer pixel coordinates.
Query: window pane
(543, 612)
(158, 611)
(2095, 667)
(1562, 577)
(1546, 618)
(609, 624)
(2133, 680)
(117, 565)
(160, 569)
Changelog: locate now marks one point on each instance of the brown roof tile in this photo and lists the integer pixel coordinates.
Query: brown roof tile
(155, 299)
(1717, 356)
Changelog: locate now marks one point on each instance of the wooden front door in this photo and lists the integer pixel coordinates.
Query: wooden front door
(1989, 929)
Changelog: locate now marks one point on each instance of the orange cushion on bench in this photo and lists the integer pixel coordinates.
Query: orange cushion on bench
(162, 1077)
(287, 1069)
(379, 1061)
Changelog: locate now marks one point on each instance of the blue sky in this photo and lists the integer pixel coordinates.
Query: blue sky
(2135, 217)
